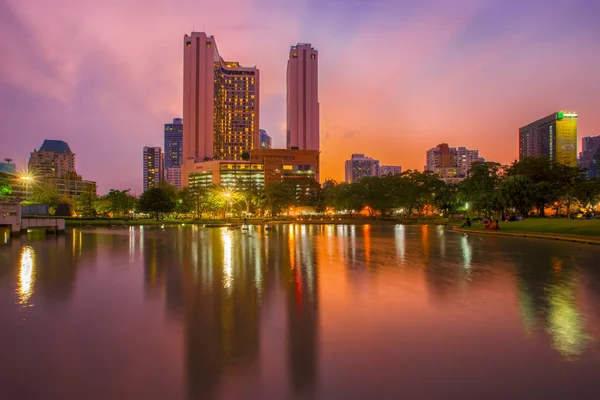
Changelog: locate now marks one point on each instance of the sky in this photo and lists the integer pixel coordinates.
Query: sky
(396, 77)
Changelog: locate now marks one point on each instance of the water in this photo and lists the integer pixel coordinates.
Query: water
(342, 312)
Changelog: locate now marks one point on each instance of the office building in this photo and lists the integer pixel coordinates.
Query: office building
(265, 140)
(54, 158)
(554, 136)
(263, 167)
(589, 158)
(303, 98)
(173, 176)
(174, 143)
(153, 167)
(360, 166)
(220, 104)
(465, 158)
(390, 170)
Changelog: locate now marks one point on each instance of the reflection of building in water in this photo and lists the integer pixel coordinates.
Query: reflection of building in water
(302, 307)
(220, 306)
(547, 297)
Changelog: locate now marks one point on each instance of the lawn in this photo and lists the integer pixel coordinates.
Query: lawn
(586, 227)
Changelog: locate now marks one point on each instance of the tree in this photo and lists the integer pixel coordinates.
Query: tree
(479, 189)
(5, 185)
(86, 201)
(518, 192)
(277, 196)
(446, 199)
(157, 201)
(45, 194)
(120, 202)
(185, 201)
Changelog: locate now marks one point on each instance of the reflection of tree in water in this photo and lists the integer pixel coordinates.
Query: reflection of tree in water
(546, 290)
(301, 294)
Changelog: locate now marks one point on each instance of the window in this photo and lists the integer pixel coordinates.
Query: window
(313, 56)
(188, 43)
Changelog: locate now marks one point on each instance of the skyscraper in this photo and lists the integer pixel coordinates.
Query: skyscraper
(360, 166)
(303, 98)
(153, 167)
(452, 164)
(174, 151)
(589, 158)
(554, 136)
(265, 140)
(220, 103)
(54, 158)
(174, 143)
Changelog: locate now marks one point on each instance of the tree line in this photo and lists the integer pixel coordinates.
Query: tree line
(531, 185)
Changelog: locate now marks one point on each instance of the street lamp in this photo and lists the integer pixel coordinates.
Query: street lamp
(26, 179)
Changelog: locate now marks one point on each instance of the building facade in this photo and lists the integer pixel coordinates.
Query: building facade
(173, 176)
(265, 140)
(174, 143)
(390, 170)
(303, 98)
(554, 136)
(452, 164)
(220, 103)
(264, 166)
(54, 158)
(360, 166)
(153, 167)
(589, 158)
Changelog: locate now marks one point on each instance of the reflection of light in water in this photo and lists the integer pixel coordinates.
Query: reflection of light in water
(425, 241)
(367, 235)
(526, 307)
(227, 258)
(353, 242)
(400, 244)
(141, 241)
(26, 274)
(467, 252)
(564, 322)
(6, 236)
(131, 243)
(307, 251)
(440, 231)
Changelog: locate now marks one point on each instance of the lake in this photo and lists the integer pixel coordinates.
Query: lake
(297, 312)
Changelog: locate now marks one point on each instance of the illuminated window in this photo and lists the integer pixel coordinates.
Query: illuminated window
(313, 56)
(188, 43)
(295, 55)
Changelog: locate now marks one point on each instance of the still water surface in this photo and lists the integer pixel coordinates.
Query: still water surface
(341, 312)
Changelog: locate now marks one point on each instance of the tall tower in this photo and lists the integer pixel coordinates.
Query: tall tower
(303, 98)
(554, 136)
(153, 167)
(174, 143)
(220, 103)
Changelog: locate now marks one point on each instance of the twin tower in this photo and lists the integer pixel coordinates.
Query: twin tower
(221, 102)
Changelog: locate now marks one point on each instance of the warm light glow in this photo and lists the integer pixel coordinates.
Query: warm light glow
(26, 274)
(227, 258)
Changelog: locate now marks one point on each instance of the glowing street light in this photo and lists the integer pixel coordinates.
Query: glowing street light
(27, 179)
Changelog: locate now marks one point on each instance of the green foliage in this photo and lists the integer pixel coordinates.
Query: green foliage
(44, 194)
(86, 202)
(277, 196)
(157, 201)
(119, 202)
(5, 186)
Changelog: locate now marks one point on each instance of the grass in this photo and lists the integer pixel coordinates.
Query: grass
(562, 226)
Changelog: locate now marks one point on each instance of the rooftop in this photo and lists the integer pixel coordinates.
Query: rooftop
(56, 146)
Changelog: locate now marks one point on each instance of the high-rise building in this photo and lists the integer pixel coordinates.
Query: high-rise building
(465, 158)
(303, 98)
(53, 166)
(451, 163)
(174, 143)
(220, 104)
(153, 167)
(54, 158)
(554, 136)
(174, 151)
(589, 158)
(390, 170)
(265, 140)
(360, 166)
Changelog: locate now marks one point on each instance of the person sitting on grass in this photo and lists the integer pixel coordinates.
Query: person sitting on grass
(467, 224)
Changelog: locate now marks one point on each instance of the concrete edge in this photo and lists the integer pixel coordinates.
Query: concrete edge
(530, 235)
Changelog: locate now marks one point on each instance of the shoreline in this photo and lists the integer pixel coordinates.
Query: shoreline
(533, 235)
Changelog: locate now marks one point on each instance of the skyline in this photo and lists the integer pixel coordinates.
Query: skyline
(477, 73)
